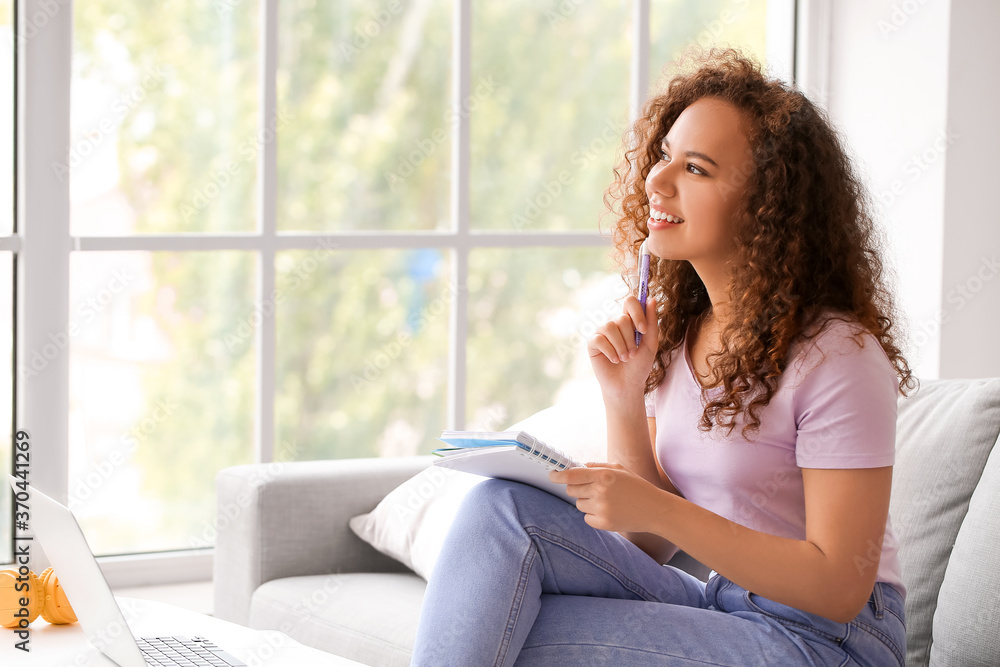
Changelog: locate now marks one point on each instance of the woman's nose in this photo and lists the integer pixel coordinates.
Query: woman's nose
(662, 180)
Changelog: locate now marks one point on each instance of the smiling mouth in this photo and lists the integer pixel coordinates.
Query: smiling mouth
(658, 216)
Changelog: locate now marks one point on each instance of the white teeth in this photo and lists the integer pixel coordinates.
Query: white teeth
(660, 215)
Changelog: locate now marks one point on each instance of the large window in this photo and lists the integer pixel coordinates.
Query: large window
(7, 247)
(332, 229)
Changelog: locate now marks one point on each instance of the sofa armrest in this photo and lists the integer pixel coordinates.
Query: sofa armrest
(288, 519)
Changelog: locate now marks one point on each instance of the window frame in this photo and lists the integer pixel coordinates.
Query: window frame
(42, 241)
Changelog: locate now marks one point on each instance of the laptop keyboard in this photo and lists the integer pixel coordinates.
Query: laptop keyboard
(185, 652)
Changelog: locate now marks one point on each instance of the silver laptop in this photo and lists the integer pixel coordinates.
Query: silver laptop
(91, 598)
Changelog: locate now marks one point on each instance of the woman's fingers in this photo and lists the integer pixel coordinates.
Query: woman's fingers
(620, 337)
(610, 341)
(600, 345)
(637, 316)
(652, 327)
(616, 339)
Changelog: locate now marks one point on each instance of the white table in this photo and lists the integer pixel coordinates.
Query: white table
(67, 646)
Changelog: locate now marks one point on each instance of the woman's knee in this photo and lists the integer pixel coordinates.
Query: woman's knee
(495, 494)
(519, 503)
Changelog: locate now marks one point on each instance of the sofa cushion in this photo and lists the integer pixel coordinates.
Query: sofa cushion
(367, 617)
(410, 524)
(968, 614)
(289, 518)
(944, 435)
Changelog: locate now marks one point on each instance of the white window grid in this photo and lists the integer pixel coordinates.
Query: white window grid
(798, 42)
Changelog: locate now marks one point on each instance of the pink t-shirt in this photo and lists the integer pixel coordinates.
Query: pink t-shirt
(835, 407)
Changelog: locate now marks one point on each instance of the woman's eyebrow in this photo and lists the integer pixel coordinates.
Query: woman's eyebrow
(695, 154)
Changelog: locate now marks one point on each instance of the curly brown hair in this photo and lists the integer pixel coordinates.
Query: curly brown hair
(807, 243)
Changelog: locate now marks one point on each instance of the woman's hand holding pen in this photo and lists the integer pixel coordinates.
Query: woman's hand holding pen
(621, 367)
(612, 496)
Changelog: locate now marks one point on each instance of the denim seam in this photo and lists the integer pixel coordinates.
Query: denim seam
(626, 582)
(515, 604)
(898, 617)
(848, 658)
(882, 637)
(726, 583)
(878, 604)
(789, 623)
(686, 659)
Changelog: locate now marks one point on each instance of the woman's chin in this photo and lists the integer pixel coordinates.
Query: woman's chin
(663, 248)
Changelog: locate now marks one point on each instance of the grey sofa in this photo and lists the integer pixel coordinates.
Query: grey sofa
(285, 558)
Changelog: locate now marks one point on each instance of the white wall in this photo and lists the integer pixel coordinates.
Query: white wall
(971, 277)
(913, 86)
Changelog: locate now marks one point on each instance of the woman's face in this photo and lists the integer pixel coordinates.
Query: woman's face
(699, 180)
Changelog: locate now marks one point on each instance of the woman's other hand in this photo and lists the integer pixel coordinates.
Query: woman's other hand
(621, 367)
(611, 496)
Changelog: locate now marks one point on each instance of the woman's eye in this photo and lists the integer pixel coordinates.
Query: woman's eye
(693, 168)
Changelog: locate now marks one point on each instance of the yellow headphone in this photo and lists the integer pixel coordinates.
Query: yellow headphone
(24, 597)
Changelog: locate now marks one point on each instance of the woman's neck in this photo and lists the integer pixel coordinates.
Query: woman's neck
(716, 281)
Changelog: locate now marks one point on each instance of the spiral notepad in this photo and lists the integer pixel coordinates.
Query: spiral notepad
(512, 455)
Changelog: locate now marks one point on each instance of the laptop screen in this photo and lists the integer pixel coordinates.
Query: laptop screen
(88, 591)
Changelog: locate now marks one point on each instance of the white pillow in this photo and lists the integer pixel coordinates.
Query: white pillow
(411, 523)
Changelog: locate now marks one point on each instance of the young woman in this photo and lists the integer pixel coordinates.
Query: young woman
(753, 427)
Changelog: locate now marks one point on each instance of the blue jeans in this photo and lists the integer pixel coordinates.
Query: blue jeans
(522, 579)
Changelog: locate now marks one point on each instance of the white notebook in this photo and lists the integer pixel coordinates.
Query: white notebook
(513, 455)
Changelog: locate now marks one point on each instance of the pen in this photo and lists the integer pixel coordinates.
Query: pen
(643, 281)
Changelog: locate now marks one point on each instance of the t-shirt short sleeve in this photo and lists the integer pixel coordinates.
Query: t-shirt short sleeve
(651, 404)
(845, 401)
